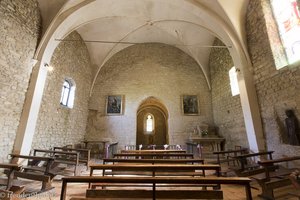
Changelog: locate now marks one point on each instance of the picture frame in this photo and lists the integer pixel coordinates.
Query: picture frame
(190, 104)
(114, 104)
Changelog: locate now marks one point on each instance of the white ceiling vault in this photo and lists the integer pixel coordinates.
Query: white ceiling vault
(190, 25)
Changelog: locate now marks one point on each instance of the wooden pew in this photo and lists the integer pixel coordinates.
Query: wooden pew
(154, 147)
(154, 191)
(35, 172)
(10, 173)
(153, 155)
(158, 151)
(155, 170)
(248, 163)
(12, 189)
(62, 157)
(229, 156)
(152, 161)
(274, 176)
(84, 154)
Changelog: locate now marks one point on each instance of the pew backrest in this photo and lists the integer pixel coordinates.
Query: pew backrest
(156, 170)
(158, 180)
(64, 157)
(35, 172)
(153, 161)
(158, 151)
(229, 155)
(84, 154)
(153, 155)
(249, 160)
(270, 165)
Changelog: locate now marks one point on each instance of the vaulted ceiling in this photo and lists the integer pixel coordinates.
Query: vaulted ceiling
(108, 26)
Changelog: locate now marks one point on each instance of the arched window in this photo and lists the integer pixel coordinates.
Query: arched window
(149, 123)
(234, 85)
(68, 93)
(287, 16)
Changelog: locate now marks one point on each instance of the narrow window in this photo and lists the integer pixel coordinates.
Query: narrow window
(287, 16)
(234, 81)
(149, 123)
(68, 93)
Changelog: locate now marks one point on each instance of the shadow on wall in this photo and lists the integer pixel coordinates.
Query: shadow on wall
(289, 128)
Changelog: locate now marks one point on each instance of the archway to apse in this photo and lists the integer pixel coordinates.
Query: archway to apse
(152, 123)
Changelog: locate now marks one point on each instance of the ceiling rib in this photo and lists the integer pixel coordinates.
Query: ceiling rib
(123, 42)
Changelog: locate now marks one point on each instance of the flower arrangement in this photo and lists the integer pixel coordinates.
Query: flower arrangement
(204, 132)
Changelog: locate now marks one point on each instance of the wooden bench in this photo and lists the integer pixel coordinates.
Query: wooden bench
(10, 173)
(154, 155)
(35, 172)
(12, 190)
(84, 154)
(158, 151)
(154, 147)
(152, 161)
(274, 176)
(155, 191)
(248, 163)
(229, 156)
(61, 157)
(155, 170)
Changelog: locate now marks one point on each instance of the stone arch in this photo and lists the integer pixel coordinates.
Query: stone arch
(154, 107)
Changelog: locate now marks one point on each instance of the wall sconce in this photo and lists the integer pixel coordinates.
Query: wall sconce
(49, 68)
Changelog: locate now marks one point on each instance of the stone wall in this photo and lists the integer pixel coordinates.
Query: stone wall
(58, 125)
(277, 90)
(19, 33)
(227, 109)
(142, 71)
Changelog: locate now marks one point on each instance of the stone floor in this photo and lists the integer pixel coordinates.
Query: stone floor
(231, 192)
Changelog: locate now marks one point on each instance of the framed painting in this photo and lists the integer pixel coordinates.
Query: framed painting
(114, 104)
(190, 104)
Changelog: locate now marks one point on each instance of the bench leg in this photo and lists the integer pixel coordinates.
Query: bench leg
(248, 191)
(153, 191)
(267, 193)
(46, 185)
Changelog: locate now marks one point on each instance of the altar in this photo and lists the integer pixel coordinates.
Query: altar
(213, 143)
(97, 147)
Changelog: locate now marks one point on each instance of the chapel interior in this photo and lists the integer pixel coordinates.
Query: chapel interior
(145, 74)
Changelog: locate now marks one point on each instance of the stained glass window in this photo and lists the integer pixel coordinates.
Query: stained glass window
(287, 16)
